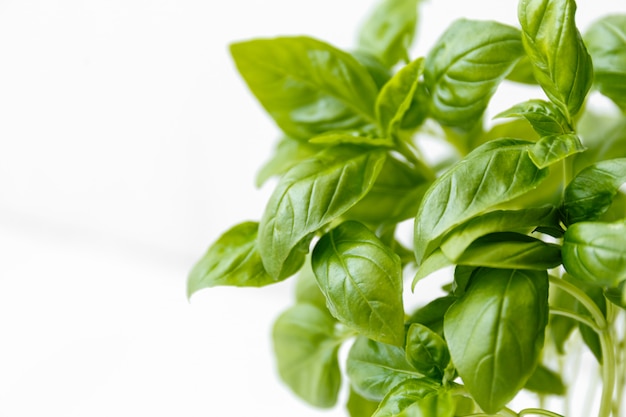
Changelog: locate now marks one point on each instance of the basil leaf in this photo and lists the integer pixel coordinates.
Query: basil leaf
(493, 173)
(544, 116)
(603, 135)
(545, 381)
(389, 31)
(232, 260)
(434, 262)
(306, 288)
(394, 197)
(594, 252)
(560, 60)
(288, 152)
(606, 40)
(523, 221)
(512, 251)
(375, 368)
(396, 96)
(362, 281)
(360, 407)
(380, 74)
(306, 350)
(431, 315)
(427, 351)
(592, 191)
(307, 86)
(309, 196)
(414, 398)
(617, 295)
(551, 149)
(465, 67)
(522, 72)
(495, 333)
(355, 137)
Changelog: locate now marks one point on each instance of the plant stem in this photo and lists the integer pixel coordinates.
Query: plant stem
(538, 412)
(606, 343)
(575, 316)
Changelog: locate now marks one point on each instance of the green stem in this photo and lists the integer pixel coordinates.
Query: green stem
(538, 412)
(606, 343)
(575, 316)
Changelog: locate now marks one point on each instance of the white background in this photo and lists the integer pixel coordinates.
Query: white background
(128, 143)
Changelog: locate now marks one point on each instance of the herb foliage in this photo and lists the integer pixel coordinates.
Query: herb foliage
(528, 210)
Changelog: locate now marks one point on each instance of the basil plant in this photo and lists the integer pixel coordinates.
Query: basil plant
(524, 215)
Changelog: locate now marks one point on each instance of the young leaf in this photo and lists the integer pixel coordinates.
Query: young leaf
(594, 252)
(288, 153)
(309, 196)
(427, 351)
(606, 40)
(544, 116)
(545, 381)
(556, 50)
(522, 221)
(493, 173)
(396, 96)
(465, 67)
(389, 31)
(415, 398)
(551, 149)
(495, 333)
(512, 251)
(431, 315)
(375, 368)
(232, 260)
(307, 86)
(362, 281)
(306, 351)
(592, 191)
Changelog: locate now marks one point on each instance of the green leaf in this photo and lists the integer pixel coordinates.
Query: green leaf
(606, 40)
(595, 252)
(360, 407)
(544, 116)
(306, 288)
(465, 67)
(551, 149)
(617, 295)
(380, 74)
(592, 191)
(493, 173)
(511, 251)
(604, 136)
(360, 138)
(434, 262)
(306, 352)
(389, 31)
(307, 86)
(522, 72)
(427, 351)
(545, 381)
(495, 333)
(415, 398)
(232, 260)
(309, 196)
(362, 281)
(288, 152)
(396, 96)
(394, 197)
(522, 221)
(431, 315)
(375, 368)
(556, 50)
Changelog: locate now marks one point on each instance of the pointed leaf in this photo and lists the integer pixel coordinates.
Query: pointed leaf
(544, 116)
(362, 281)
(495, 333)
(427, 351)
(232, 260)
(415, 398)
(551, 149)
(309, 196)
(307, 86)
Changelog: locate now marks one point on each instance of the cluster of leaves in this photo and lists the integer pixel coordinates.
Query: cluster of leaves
(528, 213)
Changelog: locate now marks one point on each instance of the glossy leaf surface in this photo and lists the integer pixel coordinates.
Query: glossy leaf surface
(595, 252)
(427, 351)
(494, 173)
(309, 196)
(306, 350)
(465, 67)
(495, 333)
(306, 85)
(592, 191)
(415, 398)
(561, 63)
(551, 149)
(232, 260)
(544, 116)
(362, 281)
